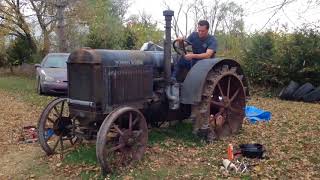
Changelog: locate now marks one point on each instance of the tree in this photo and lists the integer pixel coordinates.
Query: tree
(18, 51)
(222, 16)
(143, 29)
(3, 58)
(13, 23)
(119, 8)
(45, 13)
(105, 29)
(301, 9)
(102, 21)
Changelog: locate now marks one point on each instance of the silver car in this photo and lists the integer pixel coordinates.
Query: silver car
(51, 74)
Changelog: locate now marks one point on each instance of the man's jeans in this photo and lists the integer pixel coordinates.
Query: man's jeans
(182, 63)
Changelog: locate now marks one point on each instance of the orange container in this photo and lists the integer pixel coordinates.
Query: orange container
(230, 152)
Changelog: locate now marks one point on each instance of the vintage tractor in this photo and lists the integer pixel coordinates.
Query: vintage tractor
(114, 95)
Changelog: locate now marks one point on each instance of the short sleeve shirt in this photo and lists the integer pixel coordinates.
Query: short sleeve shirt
(200, 46)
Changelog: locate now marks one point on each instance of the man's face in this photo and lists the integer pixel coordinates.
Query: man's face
(202, 31)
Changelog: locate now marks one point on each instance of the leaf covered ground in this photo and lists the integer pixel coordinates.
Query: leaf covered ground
(291, 138)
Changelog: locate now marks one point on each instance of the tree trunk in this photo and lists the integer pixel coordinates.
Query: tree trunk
(46, 43)
(11, 69)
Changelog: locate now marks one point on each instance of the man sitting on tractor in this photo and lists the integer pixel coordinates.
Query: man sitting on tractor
(203, 44)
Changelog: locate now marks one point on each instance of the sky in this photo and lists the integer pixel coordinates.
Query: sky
(257, 12)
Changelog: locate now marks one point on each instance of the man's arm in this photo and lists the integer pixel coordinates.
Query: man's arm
(208, 54)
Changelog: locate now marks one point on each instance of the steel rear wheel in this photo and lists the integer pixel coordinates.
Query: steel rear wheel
(122, 139)
(223, 101)
(56, 127)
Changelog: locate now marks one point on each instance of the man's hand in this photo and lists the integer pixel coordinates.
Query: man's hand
(189, 56)
(180, 39)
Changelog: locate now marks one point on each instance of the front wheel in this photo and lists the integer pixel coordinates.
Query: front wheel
(122, 139)
(56, 127)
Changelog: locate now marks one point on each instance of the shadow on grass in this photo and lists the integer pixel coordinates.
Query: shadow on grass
(83, 154)
(181, 133)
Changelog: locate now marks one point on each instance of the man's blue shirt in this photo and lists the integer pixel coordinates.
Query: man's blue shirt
(200, 46)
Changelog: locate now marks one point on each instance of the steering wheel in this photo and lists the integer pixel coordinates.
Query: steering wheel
(179, 45)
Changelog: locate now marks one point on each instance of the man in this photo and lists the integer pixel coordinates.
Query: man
(204, 46)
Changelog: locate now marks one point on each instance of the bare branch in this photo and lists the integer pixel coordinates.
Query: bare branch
(280, 6)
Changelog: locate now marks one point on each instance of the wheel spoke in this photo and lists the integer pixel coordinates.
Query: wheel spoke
(119, 131)
(220, 89)
(220, 104)
(51, 120)
(137, 133)
(115, 148)
(62, 105)
(71, 141)
(56, 113)
(56, 143)
(61, 143)
(135, 121)
(228, 92)
(234, 110)
(234, 95)
(130, 121)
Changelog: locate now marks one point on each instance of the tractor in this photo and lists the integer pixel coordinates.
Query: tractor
(114, 96)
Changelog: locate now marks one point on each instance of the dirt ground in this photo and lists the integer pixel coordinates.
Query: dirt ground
(19, 160)
(291, 137)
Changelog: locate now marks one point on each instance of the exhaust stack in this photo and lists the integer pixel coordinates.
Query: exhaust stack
(167, 45)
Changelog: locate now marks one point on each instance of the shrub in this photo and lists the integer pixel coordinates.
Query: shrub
(276, 58)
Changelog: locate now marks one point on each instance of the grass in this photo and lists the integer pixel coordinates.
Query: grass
(23, 88)
(291, 139)
(181, 133)
(84, 154)
(40, 169)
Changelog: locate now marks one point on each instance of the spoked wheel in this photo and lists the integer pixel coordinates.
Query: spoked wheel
(56, 127)
(122, 138)
(223, 101)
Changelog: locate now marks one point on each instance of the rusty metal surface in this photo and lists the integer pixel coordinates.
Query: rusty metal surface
(117, 57)
(192, 87)
(128, 84)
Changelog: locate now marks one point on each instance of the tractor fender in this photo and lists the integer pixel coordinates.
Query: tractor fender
(192, 86)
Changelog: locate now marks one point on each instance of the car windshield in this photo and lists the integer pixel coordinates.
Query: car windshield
(56, 61)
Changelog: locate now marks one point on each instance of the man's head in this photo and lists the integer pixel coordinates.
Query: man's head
(203, 28)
